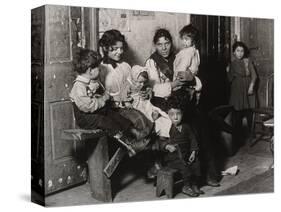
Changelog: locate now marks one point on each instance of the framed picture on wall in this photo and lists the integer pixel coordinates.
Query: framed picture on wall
(114, 19)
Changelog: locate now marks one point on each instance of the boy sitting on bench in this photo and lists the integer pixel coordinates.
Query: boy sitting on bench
(90, 100)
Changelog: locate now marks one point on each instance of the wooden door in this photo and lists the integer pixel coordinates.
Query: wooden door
(37, 106)
(64, 33)
(214, 48)
(258, 35)
(56, 33)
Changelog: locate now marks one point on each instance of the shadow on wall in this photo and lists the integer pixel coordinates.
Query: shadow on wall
(130, 57)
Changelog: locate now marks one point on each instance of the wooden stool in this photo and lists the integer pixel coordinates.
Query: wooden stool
(165, 182)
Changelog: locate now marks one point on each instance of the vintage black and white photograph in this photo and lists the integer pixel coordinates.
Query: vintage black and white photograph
(138, 105)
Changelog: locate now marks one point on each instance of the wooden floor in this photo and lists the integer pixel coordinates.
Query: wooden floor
(132, 185)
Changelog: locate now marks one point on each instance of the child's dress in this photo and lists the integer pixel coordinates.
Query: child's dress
(162, 123)
(241, 74)
(188, 59)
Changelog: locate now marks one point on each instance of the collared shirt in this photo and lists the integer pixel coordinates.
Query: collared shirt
(183, 138)
(183, 134)
(83, 94)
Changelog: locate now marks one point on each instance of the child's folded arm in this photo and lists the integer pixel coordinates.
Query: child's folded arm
(194, 143)
(181, 66)
(229, 73)
(163, 144)
(198, 85)
(183, 60)
(87, 104)
(253, 72)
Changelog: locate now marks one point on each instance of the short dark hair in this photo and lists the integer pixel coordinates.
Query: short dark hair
(110, 37)
(174, 102)
(162, 33)
(191, 32)
(144, 74)
(86, 58)
(243, 45)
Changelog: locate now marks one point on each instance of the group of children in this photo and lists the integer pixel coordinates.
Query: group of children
(93, 108)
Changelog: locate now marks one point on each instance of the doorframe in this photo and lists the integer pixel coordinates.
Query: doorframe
(94, 28)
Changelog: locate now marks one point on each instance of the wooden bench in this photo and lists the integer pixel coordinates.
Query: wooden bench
(99, 165)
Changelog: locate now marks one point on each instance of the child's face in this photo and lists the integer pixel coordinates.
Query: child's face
(239, 52)
(140, 82)
(187, 41)
(94, 73)
(175, 116)
(115, 51)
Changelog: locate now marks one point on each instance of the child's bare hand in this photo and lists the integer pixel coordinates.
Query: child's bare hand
(94, 86)
(145, 94)
(106, 96)
(191, 157)
(185, 75)
(250, 90)
(176, 84)
(155, 115)
(227, 68)
(170, 148)
(128, 105)
(197, 95)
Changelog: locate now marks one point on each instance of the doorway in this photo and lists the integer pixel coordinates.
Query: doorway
(214, 48)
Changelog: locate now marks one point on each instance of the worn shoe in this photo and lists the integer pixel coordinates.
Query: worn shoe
(118, 135)
(152, 172)
(138, 134)
(124, 141)
(140, 145)
(213, 183)
(197, 190)
(188, 191)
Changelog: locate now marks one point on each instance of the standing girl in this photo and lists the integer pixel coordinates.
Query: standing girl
(242, 77)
